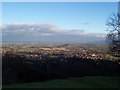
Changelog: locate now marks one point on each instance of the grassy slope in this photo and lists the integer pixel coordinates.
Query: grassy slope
(79, 82)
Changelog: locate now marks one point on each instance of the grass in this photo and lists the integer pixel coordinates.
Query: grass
(53, 56)
(112, 57)
(78, 82)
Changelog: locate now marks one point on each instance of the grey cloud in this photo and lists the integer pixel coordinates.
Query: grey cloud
(84, 23)
(44, 28)
(46, 32)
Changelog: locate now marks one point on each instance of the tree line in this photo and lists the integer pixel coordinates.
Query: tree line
(17, 69)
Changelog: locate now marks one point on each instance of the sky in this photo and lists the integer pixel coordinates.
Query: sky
(48, 21)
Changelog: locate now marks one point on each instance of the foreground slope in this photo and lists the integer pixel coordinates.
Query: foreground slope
(78, 82)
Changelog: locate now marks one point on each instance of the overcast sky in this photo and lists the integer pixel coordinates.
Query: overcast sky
(67, 21)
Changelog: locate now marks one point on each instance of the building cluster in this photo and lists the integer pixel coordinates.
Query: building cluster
(38, 53)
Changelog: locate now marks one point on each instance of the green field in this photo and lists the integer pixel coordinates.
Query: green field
(78, 82)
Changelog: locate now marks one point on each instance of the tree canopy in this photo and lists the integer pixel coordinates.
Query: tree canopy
(113, 36)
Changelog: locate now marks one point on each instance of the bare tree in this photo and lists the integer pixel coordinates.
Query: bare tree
(113, 36)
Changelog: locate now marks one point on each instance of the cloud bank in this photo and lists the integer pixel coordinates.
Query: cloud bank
(47, 33)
